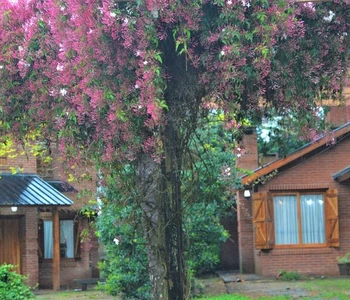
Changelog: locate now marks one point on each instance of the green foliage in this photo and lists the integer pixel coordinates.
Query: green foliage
(125, 265)
(289, 275)
(284, 132)
(12, 285)
(206, 199)
(204, 235)
(344, 259)
(332, 285)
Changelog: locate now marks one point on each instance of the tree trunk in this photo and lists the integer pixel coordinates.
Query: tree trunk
(153, 213)
(160, 184)
(177, 273)
(161, 205)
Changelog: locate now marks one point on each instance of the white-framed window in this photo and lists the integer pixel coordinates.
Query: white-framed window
(66, 239)
(299, 219)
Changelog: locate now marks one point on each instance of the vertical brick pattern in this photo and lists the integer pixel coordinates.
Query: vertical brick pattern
(245, 233)
(315, 171)
(338, 115)
(22, 162)
(249, 159)
(30, 256)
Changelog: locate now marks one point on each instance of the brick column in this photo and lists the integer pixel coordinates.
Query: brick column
(30, 261)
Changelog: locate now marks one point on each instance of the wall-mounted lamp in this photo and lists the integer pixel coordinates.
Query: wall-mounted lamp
(246, 193)
(13, 208)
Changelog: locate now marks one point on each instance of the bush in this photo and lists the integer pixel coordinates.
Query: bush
(125, 267)
(12, 285)
(289, 276)
(204, 235)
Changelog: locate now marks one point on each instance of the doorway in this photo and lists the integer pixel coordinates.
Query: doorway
(10, 243)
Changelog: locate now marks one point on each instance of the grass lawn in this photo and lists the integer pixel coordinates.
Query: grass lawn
(320, 289)
(72, 295)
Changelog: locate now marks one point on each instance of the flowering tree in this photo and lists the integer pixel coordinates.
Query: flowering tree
(125, 82)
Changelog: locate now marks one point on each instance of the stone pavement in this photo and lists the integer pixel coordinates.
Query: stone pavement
(255, 285)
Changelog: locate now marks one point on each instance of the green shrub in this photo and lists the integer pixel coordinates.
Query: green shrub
(125, 266)
(289, 275)
(204, 235)
(12, 285)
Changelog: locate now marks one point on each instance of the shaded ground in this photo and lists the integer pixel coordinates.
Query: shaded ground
(234, 283)
(255, 286)
(72, 295)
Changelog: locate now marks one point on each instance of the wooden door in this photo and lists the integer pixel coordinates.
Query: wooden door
(10, 249)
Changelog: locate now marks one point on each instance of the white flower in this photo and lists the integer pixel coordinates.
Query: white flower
(136, 86)
(113, 14)
(116, 241)
(137, 53)
(229, 2)
(20, 48)
(330, 17)
(222, 52)
(145, 62)
(59, 67)
(63, 92)
(1, 67)
(126, 21)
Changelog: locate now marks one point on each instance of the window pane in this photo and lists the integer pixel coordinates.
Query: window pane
(67, 238)
(312, 219)
(48, 242)
(286, 220)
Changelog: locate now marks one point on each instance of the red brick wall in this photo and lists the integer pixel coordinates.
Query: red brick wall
(245, 233)
(23, 162)
(312, 173)
(249, 159)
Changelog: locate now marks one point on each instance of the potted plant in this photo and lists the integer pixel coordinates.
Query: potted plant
(344, 264)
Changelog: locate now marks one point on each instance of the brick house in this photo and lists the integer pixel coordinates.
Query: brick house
(296, 216)
(40, 225)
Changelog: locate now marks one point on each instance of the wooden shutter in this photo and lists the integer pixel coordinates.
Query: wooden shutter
(332, 219)
(263, 221)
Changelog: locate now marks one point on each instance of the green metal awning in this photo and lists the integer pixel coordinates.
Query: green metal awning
(29, 190)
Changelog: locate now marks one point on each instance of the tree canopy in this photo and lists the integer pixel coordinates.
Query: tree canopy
(127, 82)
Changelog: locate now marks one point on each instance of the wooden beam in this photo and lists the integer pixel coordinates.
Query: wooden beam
(56, 261)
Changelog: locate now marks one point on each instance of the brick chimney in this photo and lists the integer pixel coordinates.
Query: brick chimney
(249, 159)
(339, 113)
